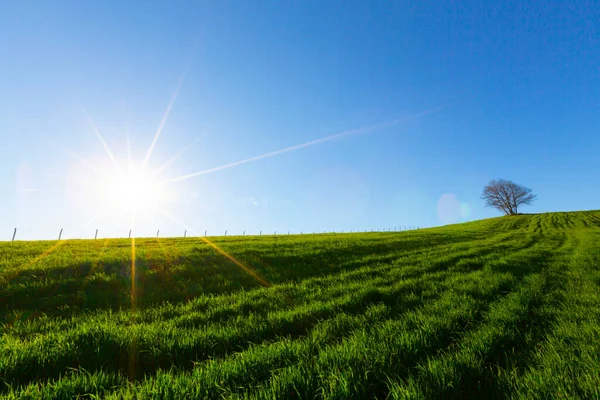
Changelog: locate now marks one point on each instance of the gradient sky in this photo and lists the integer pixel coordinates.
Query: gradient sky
(511, 88)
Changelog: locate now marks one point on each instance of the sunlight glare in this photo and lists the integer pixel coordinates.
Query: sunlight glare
(129, 192)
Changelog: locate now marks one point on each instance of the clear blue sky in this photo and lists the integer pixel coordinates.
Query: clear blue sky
(517, 83)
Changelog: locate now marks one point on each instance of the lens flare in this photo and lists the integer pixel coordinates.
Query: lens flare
(448, 209)
(465, 210)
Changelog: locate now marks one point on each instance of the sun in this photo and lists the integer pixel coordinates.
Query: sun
(119, 191)
(129, 191)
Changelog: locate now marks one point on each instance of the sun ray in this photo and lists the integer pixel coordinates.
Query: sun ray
(167, 112)
(101, 138)
(356, 131)
(83, 182)
(164, 118)
(167, 252)
(129, 158)
(92, 220)
(245, 268)
(174, 158)
(133, 274)
(133, 352)
(81, 160)
(13, 273)
(163, 121)
(133, 269)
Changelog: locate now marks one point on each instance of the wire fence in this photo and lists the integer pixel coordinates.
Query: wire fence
(395, 229)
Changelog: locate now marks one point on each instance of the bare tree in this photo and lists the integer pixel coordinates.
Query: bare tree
(507, 196)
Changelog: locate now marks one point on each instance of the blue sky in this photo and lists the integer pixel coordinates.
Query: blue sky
(513, 87)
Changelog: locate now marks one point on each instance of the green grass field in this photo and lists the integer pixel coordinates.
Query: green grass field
(501, 308)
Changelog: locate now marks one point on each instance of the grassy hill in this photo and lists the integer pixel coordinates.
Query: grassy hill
(501, 308)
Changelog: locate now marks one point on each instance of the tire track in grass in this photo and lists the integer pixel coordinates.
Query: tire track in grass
(299, 392)
(75, 384)
(214, 299)
(385, 277)
(430, 265)
(498, 344)
(572, 346)
(70, 286)
(411, 360)
(178, 377)
(214, 311)
(81, 348)
(102, 301)
(503, 342)
(538, 224)
(240, 309)
(306, 361)
(355, 367)
(443, 263)
(425, 245)
(596, 220)
(334, 328)
(118, 346)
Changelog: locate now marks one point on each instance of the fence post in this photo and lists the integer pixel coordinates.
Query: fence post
(60, 233)
(14, 234)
